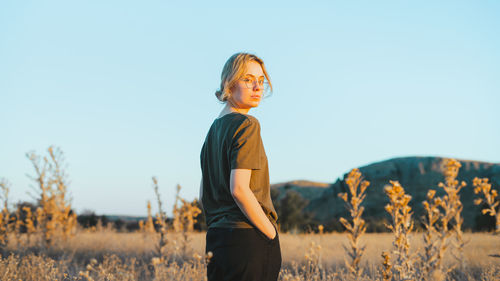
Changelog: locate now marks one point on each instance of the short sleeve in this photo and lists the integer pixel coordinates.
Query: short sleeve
(245, 152)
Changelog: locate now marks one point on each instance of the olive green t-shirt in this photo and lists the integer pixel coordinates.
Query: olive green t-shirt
(233, 142)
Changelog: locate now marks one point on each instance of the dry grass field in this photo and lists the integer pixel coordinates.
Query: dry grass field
(109, 255)
(44, 242)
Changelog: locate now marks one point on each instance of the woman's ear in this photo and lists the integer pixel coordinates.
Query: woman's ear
(229, 93)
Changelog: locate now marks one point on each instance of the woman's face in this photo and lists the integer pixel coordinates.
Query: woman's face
(247, 92)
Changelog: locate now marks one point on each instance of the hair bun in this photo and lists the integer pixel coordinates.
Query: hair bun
(218, 94)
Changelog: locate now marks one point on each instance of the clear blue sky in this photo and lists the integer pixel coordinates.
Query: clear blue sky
(126, 88)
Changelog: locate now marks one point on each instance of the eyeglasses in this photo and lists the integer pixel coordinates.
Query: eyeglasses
(250, 82)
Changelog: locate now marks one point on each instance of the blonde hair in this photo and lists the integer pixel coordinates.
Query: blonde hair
(234, 69)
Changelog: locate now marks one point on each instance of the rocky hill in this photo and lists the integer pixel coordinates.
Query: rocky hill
(416, 174)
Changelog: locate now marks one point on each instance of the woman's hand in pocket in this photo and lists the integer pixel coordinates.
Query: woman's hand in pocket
(273, 234)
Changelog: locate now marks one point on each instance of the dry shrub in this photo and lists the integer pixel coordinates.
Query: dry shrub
(401, 227)
(184, 220)
(452, 206)
(484, 187)
(54, 217)
(183, 223)
(185, 215)
(357, 227)
(441, 213)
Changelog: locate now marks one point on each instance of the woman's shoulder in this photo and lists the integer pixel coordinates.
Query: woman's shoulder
(249, 121)
(240, 118)
(252, 118)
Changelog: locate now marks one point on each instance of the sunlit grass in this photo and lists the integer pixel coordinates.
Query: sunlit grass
(45, 243)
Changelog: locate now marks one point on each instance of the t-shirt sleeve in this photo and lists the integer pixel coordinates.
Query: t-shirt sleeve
(246, 146)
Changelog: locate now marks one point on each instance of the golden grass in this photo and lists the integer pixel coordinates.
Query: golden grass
(481, 254)
(53, 247)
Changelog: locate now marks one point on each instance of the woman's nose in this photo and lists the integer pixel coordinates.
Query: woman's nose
(257, 87)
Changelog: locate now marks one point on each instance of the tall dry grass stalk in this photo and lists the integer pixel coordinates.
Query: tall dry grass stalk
(452, 207)
(313, 261)
(440, 214)
(386, 267)
(183, 223)
(357, 187)
(165, 264)
(185, 215)
(401, 226)
(18, 224)
(54, 216)
(148, 226)
(29, 224)
(490, 198)
(5, 219)
(184, 220)
(434, 248)
(161, 221)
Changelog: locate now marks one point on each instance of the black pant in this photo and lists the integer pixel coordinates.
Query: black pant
(242, 254)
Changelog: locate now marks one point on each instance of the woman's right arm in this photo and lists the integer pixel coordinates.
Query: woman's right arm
(245, 199)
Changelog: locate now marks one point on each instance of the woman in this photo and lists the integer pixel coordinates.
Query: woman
(235, 190)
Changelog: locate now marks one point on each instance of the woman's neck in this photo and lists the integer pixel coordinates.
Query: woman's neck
(229, 109)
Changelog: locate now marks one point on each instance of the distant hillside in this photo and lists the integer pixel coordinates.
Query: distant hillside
(307, 189)
(416, 174)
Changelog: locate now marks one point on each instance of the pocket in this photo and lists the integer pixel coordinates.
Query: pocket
(267, 239)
